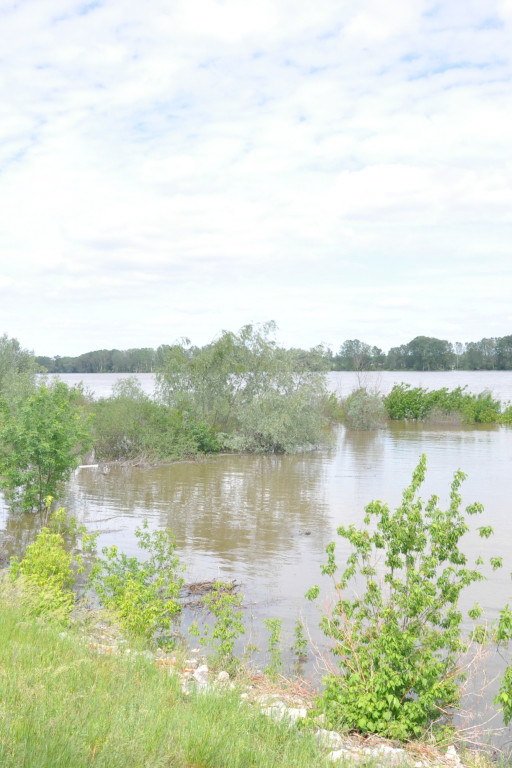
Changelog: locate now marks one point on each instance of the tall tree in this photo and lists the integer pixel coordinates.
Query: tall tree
(426, 353)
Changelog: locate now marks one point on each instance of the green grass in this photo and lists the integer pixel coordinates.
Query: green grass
(61, 705)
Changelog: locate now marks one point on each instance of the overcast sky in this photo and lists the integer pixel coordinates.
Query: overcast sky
(174, 168)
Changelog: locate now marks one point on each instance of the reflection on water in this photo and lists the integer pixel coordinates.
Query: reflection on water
(266, 520)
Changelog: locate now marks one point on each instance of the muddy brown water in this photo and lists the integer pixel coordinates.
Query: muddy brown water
(266, 520)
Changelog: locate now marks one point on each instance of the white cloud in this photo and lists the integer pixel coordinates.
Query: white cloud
(176, 169)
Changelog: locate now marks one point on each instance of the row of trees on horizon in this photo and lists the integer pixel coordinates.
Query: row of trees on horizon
(423, 353)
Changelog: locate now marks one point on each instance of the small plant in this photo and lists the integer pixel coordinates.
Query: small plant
(143, 595)
(228, 622)
(275, 627)
(300, 645)
(398, 643)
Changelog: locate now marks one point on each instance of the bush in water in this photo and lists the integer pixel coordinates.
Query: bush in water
(398, 644)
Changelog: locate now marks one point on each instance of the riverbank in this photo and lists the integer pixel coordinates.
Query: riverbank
(81, 696)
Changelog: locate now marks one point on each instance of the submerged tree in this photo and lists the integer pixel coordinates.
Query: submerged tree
(244, 385)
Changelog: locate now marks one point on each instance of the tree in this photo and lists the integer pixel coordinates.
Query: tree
(355, 355)
(459, 350)
(504, 353)
(481, 355)
(425, 353)
(41, 439)
(245, 385)
(17, 366)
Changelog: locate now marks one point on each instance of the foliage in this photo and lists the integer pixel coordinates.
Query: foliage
(397, 644)
(406, 402)
(129, 424)
(142, 595)
(262, 396)
(364, 410)
(355, 355)
(17, 368)
(275, 627)
(300, 645)
(64, 705)
(280, 421)
(228, 624)
(41, 440)
(48, 569)
(506, 416)
(45, 576)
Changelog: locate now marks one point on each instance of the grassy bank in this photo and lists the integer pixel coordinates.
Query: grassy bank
(62, 705)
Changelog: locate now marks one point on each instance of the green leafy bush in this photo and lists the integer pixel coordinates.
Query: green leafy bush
(142, 595)
(130, 424)
(279, 421)
(47, 572)
(398, 644)
(406, 402)
(41, 440)
(228, 625)
(364, 410)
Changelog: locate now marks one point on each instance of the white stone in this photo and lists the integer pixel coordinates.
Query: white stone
(223, 677)
(320, 719)
(296, 713)
(452, 756)
(329, 739)
(267, 698)
(338, 754)
(201, 674)
(275, 712)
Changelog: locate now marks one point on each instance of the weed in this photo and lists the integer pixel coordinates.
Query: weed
(275, 627)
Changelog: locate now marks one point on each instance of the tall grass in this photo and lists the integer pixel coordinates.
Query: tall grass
(63, 706)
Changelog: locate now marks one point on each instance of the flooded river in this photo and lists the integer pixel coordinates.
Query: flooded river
(266, 520)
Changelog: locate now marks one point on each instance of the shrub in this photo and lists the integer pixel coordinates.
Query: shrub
(506, 416)
(279, 422)
(398, 644)
(47, 572)
(41, 440)
(406, 402)
(228, 624)
(142, 595)
(130, 424)
(364, 410)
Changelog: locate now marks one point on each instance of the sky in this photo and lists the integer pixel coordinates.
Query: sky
(177, 168)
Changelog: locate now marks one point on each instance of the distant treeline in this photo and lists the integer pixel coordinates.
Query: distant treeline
(423, 353)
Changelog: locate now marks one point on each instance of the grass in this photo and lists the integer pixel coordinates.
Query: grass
(62, 705)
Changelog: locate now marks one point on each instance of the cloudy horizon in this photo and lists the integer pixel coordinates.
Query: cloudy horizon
(178, 168)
